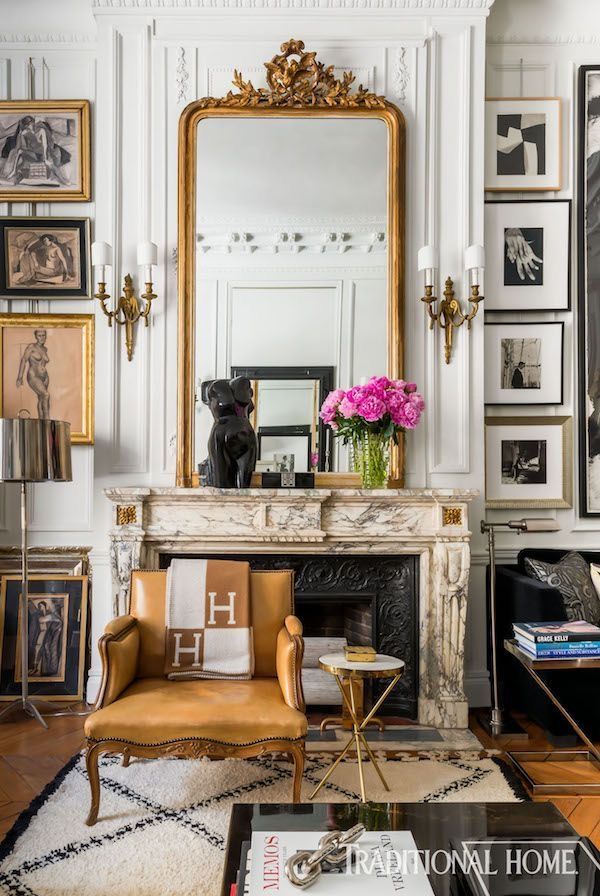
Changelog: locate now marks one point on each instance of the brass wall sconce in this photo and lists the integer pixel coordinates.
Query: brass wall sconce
(449, 315)
(129, 309)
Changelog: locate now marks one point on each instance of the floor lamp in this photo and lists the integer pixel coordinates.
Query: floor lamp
(495, 721)
(31, 451)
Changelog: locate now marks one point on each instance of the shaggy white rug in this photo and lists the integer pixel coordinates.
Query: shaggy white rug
(163, 824)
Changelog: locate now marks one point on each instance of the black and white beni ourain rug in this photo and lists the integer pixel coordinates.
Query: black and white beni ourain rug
(163, 823)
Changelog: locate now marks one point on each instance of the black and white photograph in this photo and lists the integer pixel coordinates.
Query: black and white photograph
(527, 254)
(589, 289)
(57, 644)
(524, 363)
(44, 150)
(523, 256)
(523, 461)
(522, 144)
(528, 462)
(44, 256)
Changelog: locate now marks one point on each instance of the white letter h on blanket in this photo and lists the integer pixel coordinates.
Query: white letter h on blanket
(227, 608)
(179, 649)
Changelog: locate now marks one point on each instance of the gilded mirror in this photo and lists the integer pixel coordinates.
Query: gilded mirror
(291, 257)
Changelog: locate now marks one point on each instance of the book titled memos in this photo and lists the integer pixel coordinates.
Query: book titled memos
(557, 632)
(386, 861)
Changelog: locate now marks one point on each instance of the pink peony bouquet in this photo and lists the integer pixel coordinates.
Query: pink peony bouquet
(381, 407)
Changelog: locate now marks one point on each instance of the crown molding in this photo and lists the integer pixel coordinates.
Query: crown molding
(549, 39)
(51, 37)
(248, 5)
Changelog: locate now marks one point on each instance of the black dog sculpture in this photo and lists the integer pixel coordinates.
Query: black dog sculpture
(232, 440)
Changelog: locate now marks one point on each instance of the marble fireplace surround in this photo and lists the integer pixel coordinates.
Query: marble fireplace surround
(429, 523)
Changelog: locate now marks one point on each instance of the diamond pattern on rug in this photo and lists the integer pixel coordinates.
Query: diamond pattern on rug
(163, 823)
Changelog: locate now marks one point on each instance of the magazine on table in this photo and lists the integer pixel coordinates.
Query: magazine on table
(385, 861)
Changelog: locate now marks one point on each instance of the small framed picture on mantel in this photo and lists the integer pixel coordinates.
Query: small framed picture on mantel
(528, 462)
(522, 140)
(528, 255)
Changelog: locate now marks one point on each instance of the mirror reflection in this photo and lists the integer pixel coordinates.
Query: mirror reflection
(291, 272)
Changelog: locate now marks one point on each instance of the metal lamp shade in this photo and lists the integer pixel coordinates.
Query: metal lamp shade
(35, 450)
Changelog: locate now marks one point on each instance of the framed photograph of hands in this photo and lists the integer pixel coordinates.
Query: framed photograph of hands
(528, 254)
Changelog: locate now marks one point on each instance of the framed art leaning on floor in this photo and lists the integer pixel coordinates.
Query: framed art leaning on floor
(57, 609)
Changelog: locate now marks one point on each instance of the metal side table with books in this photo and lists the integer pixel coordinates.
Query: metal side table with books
(539, 767)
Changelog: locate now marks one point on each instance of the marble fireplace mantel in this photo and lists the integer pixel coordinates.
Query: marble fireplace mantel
(429, 523)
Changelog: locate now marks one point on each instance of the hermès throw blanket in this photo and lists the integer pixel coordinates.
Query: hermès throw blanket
(209, 631)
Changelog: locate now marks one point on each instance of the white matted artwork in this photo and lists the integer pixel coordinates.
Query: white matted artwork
(528, 462)
(528, 254)
(524, 363)
(522, 140)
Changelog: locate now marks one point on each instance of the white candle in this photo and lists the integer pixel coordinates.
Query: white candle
(101, 258)
(428, 261)
(475, 263)
(147, 256)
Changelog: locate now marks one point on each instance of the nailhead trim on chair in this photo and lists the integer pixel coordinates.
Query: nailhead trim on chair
(199, 740)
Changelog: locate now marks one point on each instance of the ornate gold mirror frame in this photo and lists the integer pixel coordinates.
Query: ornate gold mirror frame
(301, 87)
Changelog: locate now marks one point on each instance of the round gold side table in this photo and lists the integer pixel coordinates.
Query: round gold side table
(349, 673)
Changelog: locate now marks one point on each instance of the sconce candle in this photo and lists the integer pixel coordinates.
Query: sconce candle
(475, 263)
(101, 258)
(147, 257)
(429, 261)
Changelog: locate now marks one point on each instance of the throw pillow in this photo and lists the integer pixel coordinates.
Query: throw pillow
(595, 574)
(572, 577)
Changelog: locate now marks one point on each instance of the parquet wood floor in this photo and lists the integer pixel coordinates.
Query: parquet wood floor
(30, 757)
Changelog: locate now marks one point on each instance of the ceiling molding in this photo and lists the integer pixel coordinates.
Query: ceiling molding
(550, 39)
(53, 37)
(248, 5)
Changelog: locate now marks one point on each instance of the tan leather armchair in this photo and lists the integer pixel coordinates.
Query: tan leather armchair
(139, 712)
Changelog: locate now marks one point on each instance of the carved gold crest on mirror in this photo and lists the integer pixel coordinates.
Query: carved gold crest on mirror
(291, 255)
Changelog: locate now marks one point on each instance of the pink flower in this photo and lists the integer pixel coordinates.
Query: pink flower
(330, 405)
(399, 384)
(371, 408)
(412, 415)
(416, 399)
(410, 387)
(355, 394)
(347, 408)
(396, 402)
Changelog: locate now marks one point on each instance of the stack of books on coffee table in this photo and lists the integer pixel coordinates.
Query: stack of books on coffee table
(558, 640)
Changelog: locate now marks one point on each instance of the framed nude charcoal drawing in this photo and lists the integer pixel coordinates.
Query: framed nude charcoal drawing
(56, 652)
(522, 140)
(528, 255)
(47, 369)
(45, 151)
(524, 363)
(45, 258)
(528, 462)
(588, 237)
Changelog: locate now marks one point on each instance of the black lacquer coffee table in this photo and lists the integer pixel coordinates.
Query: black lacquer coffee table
(433, 825)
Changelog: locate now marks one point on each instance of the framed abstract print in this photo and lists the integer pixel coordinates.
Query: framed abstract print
(528, 462)
(588, 238)
(57, 618)
(522, 140)
(45, 258)
(47, 369)
(528, 255)
(524, 363)
(45, 151)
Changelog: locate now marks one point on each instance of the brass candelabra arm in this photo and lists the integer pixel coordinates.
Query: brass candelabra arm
(449, 315)
(128, 311)
(475, 299)
(430, 300)
(103, 297)
(148, 298)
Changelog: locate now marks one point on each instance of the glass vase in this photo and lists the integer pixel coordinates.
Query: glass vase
(371, 458)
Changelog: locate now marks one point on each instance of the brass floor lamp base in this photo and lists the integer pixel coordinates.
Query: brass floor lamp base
(27, 706)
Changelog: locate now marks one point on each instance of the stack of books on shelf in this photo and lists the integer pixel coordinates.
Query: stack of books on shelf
(558, 640)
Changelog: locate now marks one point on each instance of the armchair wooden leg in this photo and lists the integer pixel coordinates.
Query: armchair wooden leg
(91, 764)
(298, 756)
(126, 758)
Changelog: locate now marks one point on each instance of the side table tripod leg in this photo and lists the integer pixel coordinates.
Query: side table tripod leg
(361, 774)
(371, 756)
(331, 769)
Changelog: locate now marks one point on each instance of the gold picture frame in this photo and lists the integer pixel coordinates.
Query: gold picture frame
(297, 88)
(76, 391)
(73, 590)
(540, 468)
(42, 156)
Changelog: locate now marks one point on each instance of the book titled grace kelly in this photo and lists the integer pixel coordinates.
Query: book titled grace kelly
(386, 861)
(557, 632)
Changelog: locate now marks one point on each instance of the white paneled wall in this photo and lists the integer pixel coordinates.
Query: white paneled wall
(143, 62)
